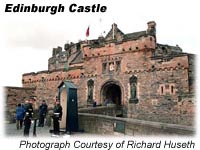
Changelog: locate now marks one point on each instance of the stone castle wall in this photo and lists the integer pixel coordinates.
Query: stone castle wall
(151, 75)
(14, 96)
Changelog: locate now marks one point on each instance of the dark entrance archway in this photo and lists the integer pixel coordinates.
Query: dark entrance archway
(111, 93)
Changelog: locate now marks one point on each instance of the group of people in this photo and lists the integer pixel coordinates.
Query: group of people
(28, 112)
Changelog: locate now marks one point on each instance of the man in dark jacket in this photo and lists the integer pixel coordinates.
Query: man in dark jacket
(28, 116)
(19, 116)
(57, 116)
(42, 113)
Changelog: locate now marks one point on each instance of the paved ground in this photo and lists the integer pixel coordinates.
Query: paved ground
(11, 131)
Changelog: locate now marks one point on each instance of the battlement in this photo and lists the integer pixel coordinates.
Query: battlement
(116, 47)
(75, 55)
(114, 42)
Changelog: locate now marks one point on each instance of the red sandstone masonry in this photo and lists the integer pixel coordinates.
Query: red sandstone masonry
(48, 89)
(14, 96)
(112, 48)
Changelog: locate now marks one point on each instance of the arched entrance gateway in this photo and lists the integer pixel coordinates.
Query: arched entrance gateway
(111, 93)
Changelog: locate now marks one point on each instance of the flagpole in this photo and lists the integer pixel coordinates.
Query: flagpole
(113, 28)
(101, 34)
(113, 31)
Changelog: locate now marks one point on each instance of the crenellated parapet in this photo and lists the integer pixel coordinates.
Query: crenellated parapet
(61, 59)
(115, 42)
(143, 43)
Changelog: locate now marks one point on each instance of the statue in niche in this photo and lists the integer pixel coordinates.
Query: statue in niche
(90, 90)
(133, 90)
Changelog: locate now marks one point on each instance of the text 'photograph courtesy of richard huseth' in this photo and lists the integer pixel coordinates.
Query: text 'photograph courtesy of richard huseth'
(54, 9)
(123, 144)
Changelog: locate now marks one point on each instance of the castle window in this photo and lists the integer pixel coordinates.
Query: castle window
(172, 89)
(162, 90)
(104, 66)
(78, 46)
(118, 65)
(69, 51)
(43, 79)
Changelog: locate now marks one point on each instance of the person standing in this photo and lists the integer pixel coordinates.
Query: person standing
(42, 113)
(28, 117)
(19, 116)
(35, 116)
(57, 116)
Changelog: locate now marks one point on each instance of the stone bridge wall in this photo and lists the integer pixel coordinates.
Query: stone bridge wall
(103, 110)
(108, 125)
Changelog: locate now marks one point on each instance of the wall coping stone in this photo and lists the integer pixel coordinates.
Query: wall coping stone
(159, 125)
(21, 88)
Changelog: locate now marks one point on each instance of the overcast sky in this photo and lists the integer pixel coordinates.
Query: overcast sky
(26, 40)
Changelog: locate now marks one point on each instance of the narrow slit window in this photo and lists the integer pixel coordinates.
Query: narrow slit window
(104, 66)
(118, 65)
(172, 89)
(162, 90)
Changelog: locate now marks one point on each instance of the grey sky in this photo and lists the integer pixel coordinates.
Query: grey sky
(27, 39)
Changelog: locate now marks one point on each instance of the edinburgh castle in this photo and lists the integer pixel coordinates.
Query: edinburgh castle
(142, 78)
